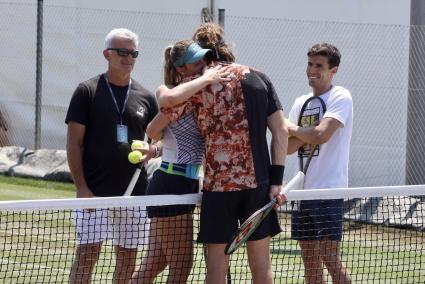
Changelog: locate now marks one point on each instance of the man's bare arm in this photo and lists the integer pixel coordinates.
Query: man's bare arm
(279, 145)
(74, 151)
(169, 97)
(318, 134)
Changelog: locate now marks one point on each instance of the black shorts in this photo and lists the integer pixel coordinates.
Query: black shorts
(222, 211)
(318, 219)
(164, 183)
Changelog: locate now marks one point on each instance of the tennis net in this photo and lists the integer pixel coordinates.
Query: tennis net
(383, 236)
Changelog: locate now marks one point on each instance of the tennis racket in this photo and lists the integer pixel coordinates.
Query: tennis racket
(251, 224)
(311, 112)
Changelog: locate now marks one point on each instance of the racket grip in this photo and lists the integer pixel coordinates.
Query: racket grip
(297, 182)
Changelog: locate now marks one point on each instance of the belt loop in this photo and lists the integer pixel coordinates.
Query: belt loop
(170, 167)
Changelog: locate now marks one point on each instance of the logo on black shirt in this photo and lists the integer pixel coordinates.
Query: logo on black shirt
(141, 111)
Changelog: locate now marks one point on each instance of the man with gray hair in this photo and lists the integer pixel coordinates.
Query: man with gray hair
(105, 114)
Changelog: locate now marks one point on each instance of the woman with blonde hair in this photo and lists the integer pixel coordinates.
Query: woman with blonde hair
(171, 230)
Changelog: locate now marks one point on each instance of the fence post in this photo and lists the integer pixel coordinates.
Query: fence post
(221, 17)
(415, 156)
(38, 76)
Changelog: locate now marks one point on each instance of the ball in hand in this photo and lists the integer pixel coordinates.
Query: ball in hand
(139, 145)
(135, 157)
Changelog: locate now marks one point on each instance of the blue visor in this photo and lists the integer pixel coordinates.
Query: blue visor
(193, 54)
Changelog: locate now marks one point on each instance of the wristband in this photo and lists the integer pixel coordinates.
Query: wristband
(276, 174)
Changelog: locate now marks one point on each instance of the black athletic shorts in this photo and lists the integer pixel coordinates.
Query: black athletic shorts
(222, 211)
(164, 183)
(318, 219)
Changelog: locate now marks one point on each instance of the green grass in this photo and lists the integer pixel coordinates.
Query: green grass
(13, 188)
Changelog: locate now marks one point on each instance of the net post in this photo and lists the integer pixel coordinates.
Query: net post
(415, 156)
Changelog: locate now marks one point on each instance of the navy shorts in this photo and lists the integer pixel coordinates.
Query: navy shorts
(164, 183)
(318, 219)
(221, 212)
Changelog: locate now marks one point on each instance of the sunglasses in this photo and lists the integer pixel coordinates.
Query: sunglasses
(124, 52)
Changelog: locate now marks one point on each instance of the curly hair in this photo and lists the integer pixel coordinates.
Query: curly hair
(211, 36)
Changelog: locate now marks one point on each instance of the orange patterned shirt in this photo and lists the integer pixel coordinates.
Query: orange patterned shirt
(222, 117)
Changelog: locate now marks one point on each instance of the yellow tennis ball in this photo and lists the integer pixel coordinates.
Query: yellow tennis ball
(139, 145)
(135, 157)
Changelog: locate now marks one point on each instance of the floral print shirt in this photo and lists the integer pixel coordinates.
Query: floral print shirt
(221, 113)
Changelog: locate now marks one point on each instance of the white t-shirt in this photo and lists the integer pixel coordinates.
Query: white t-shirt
(329, 169)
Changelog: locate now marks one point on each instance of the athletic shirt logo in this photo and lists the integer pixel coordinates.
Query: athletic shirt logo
(141, 111)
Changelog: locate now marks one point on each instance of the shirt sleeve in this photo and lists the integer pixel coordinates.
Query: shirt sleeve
(295, 112)
(340, 106)
(78, 110)
(274, 103)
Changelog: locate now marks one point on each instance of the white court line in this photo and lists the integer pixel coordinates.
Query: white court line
(27, 266)
(37, 236)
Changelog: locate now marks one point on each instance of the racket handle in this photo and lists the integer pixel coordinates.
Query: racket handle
(133, 182)
(310, 157)
(297, 182)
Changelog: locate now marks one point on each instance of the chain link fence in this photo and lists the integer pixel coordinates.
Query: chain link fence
(389, 121)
